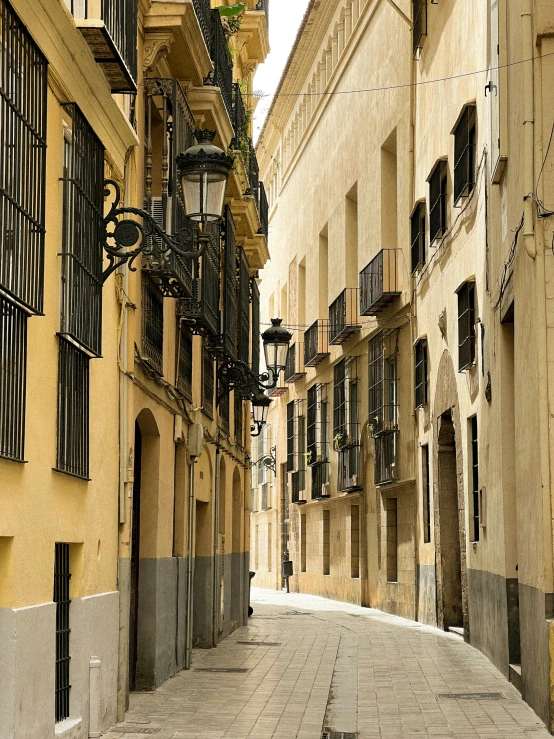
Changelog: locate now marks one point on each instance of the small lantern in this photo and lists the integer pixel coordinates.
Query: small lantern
(204, 171)
(276, 346)
(260, 408)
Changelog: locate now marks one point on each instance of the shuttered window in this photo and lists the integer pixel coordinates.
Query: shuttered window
(418, 237)
(464, 153)
(437, 201)
(466, 326)
(230, 287)
(421, 373)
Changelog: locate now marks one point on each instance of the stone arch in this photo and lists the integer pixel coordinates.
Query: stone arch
(449, 500)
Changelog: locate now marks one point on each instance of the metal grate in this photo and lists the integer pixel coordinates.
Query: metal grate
(184, 363)
(343, 316)
(318, 425)
(417, 224)
(223, 64)
(243, 305)
(13, 372)
(437, 201)
(137, 729)
(255, 292)
(23, 94)
(316, 343)
(471, 696)
(379, 282)
(382, 386)
(475, 478)
(62, 576)
(152, 324)
(320, 478)
(230, 287)
(73, 410)
(222, 669)
(385, 458)
(331, 734)
(259, 643)
(239, 419)
(121, 20)
(466, 326)
(208, 383)
(421, 373)
(83, 233)
(225, 412)
(464, 153)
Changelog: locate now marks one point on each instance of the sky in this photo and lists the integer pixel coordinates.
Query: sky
(285, 17)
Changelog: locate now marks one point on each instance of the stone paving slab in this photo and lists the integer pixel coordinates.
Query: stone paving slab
(336, 666)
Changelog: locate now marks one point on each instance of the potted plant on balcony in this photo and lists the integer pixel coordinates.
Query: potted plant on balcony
(340, 440)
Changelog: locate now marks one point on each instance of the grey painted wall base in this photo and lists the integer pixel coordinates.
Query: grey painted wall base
(161, 620)
(488, 616)
(203, 598)
(27, 665)
(534, 608)
(124, 586)
(427, 594)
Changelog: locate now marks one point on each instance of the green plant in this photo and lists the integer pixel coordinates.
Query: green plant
(231, 18)
(339, 440)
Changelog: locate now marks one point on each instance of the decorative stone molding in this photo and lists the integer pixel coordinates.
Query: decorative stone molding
(157, 44)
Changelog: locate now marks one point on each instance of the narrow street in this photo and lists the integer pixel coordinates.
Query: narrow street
(306, 665)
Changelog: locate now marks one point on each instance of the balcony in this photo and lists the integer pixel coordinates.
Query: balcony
(379, 282)
(277, 392)
(294, 369)
(254, 29)
(343, 316)
(202, 8)
(386, 469)
(263, 210)
(320, 481)
(201, 311)
(298, 487)
(110, 29)
(253, 174)
(349, 470)
(316, 343)
(222, 75)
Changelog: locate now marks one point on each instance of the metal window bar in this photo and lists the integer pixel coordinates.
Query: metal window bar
(23, 96)
(255, 295)
(262, 446)
(83, 233)
(239, 419)
(318, 425)
(419, 33)
(382, 386)
(466, 326)
(184, 362)
(290, 436)
(464, 153)
(475, 478)
(421, 389)
(343, 316)
(349, 469)
(379, 282)
(225, 412)
(221, 58)
(385, 458)
(316, 343)
(298, 486)
(62, 577)
(208, 383)
(230, 287)
(203, 10)
(417, 227)
(13, 375)
(152, 324)
(253, 174)
(437, 201)
(340, 403)
(263, 210)
(121, 20)
(77, 8)
(243, 304)
(169, 131)
(73, 410)
(294, 368)
(240, 125)
(320, 478)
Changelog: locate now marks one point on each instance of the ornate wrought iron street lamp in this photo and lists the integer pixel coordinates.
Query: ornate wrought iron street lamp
(203, 173)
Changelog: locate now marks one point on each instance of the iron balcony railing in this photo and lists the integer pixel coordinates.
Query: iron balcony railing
(349, 469)
(239, 116)
(294, 369)
(386, 469)
(298, 486)
(379, 282)
(344, 317)
(203, 10)
(263, 210)
(320, 480)
(221, 59)
(316, 343)
(253, 174)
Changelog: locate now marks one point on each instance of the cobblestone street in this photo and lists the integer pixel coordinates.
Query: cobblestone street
(306, 665)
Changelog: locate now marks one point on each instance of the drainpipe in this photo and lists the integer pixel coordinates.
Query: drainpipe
(215, 566)
(528, 127)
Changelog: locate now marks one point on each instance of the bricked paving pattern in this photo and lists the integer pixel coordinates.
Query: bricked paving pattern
(336, 667)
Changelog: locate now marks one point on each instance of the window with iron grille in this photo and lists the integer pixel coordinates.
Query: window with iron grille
(73, 410)
(437, 200)
(385, 458)
(225, 412)
(239, 419)
(419, 15)
(262, 450)
(230, 287)
(62, 576)
(255, 292)
(382, 384)
(23, 96)
(184, 362)
(243, 304)
(13, 374)
(318, 425)
(464, 153)
(83, 227)
(290, 436)
(475, 512)
(296, 426)
(208, 383)
(418, 236)
(346, 423)
(466, 326)
(152, 324)
(421, 373)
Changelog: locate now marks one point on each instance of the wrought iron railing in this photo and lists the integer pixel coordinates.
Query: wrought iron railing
(243, 306)
(294, 369)
(121, 20)
(184, 365)
(239, 419)
(263, 5)
(255, 296)
(344, 317)
(298, 486)
(239, 116)
(13, 373)
(203, 10)
(263, 210)
(208, 383)
(316, 343)
(225, 413)
(73, 411)
(386, 469)
(320, 480)
(62, 578)
(349, 469)
(221, 58)
(201, 312)
(152, 324)
(379, 282)
(230, 287)
(253, 174)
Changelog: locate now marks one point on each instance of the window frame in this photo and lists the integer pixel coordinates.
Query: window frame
(466, 333)
(421, 373)
(13, 379)
(419, 28)
(438, 200)
(465, 146)
(73, 417)
(418, 233)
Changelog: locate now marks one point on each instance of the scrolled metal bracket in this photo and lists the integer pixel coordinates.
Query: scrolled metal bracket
(237, 375)
(126, 238)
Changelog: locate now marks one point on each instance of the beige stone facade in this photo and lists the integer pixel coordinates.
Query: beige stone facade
(409, 169)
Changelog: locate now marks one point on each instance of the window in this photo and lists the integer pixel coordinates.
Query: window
(355, 541)
(419, 15)
(475, 523)
(243, 303)
(318, 439)
(466, 326)
(239, 419)
(418, 236)
(421, 390)
(326, 542)
(73, 410)
(184, 362)
(296, 447)
(230, 286)
(346, 423)
(464, 153)
(382, 381)
(290, 436)
(23, 96)
(62, 576)
(437, 200)
(152, 324)
(425, 483)
(208, 383)
(385, 458)
(13, 373)
(255, 293)
(391, 538)
(225, 412)
(83, 229)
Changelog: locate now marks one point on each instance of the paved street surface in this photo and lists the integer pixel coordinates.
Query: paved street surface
(311, 665)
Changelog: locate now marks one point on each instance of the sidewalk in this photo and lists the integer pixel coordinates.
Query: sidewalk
(312, 664)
